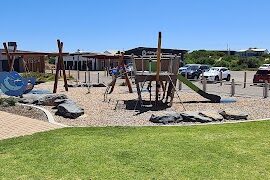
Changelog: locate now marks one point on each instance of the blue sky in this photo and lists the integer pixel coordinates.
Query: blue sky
(99, 25)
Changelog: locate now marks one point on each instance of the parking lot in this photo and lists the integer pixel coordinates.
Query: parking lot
(225, 88)
(215, 88)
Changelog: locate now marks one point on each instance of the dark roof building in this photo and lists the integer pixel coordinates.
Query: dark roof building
(143, 51)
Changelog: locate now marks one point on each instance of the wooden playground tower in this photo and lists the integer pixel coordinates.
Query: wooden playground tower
(164, 75)
(59, 66)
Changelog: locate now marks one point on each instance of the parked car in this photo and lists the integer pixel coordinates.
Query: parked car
(265, 66)
(215, 73)
(193, 71)
(261, 76)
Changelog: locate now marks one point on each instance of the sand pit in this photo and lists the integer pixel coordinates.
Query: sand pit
(115, 112)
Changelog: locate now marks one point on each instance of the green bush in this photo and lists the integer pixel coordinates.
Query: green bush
(222, 63)
(8, 101)
(52, 60)
(234, 62)
(41, 77)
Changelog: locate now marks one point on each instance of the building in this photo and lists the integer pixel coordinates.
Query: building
(99, 61)
(90, 60)
(147, 51)
(35, 63)
(252, 52)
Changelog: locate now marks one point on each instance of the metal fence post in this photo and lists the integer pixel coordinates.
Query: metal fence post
(232, 88)
(245, 79)
(265, 89)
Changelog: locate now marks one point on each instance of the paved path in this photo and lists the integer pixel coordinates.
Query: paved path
(14, 126)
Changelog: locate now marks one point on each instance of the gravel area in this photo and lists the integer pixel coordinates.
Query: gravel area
(25, 111)
(115, 112)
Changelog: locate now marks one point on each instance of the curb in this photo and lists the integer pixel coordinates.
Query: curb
(48, 114)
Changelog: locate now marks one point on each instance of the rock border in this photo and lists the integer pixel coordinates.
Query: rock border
(48, 114)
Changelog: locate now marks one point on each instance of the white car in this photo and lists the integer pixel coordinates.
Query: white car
(265, 66)
(215, 73)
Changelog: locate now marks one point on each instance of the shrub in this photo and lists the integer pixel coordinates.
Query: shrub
(52, 60)
(8, 101)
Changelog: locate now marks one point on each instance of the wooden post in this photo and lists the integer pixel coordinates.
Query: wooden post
(158, 65)
(245, 79)
(180, 85)
(204, 83)
(60, 66)
(265, 89)
(232, 88)
(124, 71)
(221, 78)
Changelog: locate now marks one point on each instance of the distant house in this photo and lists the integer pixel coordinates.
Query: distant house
(252, 52)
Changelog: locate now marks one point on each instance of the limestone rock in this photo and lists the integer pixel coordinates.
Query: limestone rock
(41, 99)
(166, 117)
(233, 115)
(214, 115)
(195, 117)
(69, 109)
(49, 99)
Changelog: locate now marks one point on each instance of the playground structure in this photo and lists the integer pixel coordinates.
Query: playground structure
(121, 64)
(59, 65)
(160, 71)
(158, 68)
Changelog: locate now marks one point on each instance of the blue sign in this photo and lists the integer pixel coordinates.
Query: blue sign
(12, 84)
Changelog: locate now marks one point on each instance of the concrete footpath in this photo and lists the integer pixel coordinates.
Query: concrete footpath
(12, 125)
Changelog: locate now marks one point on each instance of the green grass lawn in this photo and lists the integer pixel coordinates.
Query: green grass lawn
(229, 151)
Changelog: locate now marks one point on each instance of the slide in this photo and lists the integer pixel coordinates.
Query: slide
(213, 98)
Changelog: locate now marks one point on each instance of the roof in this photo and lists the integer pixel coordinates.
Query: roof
(148, 50)
(253, 49)
(30, 53)
(103, 56)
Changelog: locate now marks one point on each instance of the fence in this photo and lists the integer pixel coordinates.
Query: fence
(232, 88)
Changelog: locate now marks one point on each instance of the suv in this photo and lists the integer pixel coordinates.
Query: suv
(193, 71)
(261, 76)
(214, 74)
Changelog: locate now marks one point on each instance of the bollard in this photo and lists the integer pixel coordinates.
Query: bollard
(204, 83)
(186, 75)
(221, 78)
(98, 77)
(232, 88)
(265, 89)
(179, 85)
(245, 79)
(85, 78)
